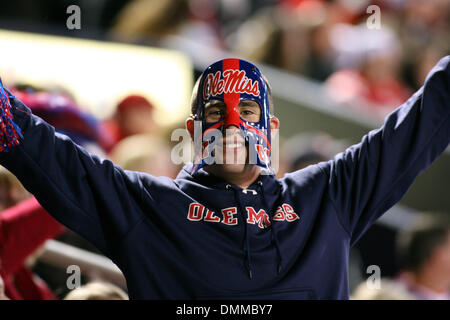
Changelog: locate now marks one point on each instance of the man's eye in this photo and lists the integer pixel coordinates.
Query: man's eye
(247, 112)
(215, 113)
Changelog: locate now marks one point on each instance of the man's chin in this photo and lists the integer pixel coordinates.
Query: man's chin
(230, 169)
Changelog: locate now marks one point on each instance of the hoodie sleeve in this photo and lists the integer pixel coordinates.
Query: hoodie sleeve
(370, 177)
(87, 194)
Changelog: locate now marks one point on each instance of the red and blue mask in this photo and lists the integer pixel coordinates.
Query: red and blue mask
(232, 81)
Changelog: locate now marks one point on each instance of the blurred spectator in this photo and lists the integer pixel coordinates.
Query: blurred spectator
(2, 290)
(153, 20)
(423, 23)
(23, 229)
(11, 190)
(370, 70)
(273, 36)
(424, 258)
(315, 18)
(304, 149)
(389, 290)
(109, 12)
(145, 153)
(295, 35)
(150, 18)
(368, 63)
(416, 68)
(133, 115)
(319, 64)
(61, 111)
(97, 291)
(424, 264)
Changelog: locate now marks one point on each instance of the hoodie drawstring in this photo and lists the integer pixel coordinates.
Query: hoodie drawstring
(273, 231)
(246, 233)
(246, 241)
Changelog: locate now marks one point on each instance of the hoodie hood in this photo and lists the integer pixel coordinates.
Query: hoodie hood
(210, 180)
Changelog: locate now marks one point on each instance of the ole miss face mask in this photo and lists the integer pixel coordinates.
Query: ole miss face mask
(232, 81)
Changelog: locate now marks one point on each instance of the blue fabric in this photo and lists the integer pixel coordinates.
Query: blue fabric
(185, 238)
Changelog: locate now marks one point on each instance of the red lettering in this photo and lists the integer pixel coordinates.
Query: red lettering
(226, 77)
(248, 87)
(290, 214)
(228, 214)
(220, 86)
(255, 89)
(263, 153)
(214, 87)
(241, 85)
(279, 215)
(207, 86)
(210, 217)
(195, 212)
(234, 81)
(260, 217)
(234, 78)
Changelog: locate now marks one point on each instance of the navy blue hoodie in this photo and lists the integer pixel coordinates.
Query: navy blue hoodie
(199, 237)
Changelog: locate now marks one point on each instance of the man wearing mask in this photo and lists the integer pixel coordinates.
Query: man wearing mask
(226, 228)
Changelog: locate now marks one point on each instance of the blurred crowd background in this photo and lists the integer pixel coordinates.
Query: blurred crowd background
(316, 48)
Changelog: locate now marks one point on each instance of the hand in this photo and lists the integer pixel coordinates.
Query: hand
(9, 131)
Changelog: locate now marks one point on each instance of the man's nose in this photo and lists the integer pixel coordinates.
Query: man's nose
(232, 119)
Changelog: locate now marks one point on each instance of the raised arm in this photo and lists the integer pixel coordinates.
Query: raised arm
(89, 195)
(370, 177)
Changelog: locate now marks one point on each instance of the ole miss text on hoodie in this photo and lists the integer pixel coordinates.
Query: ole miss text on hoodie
(199, 237)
